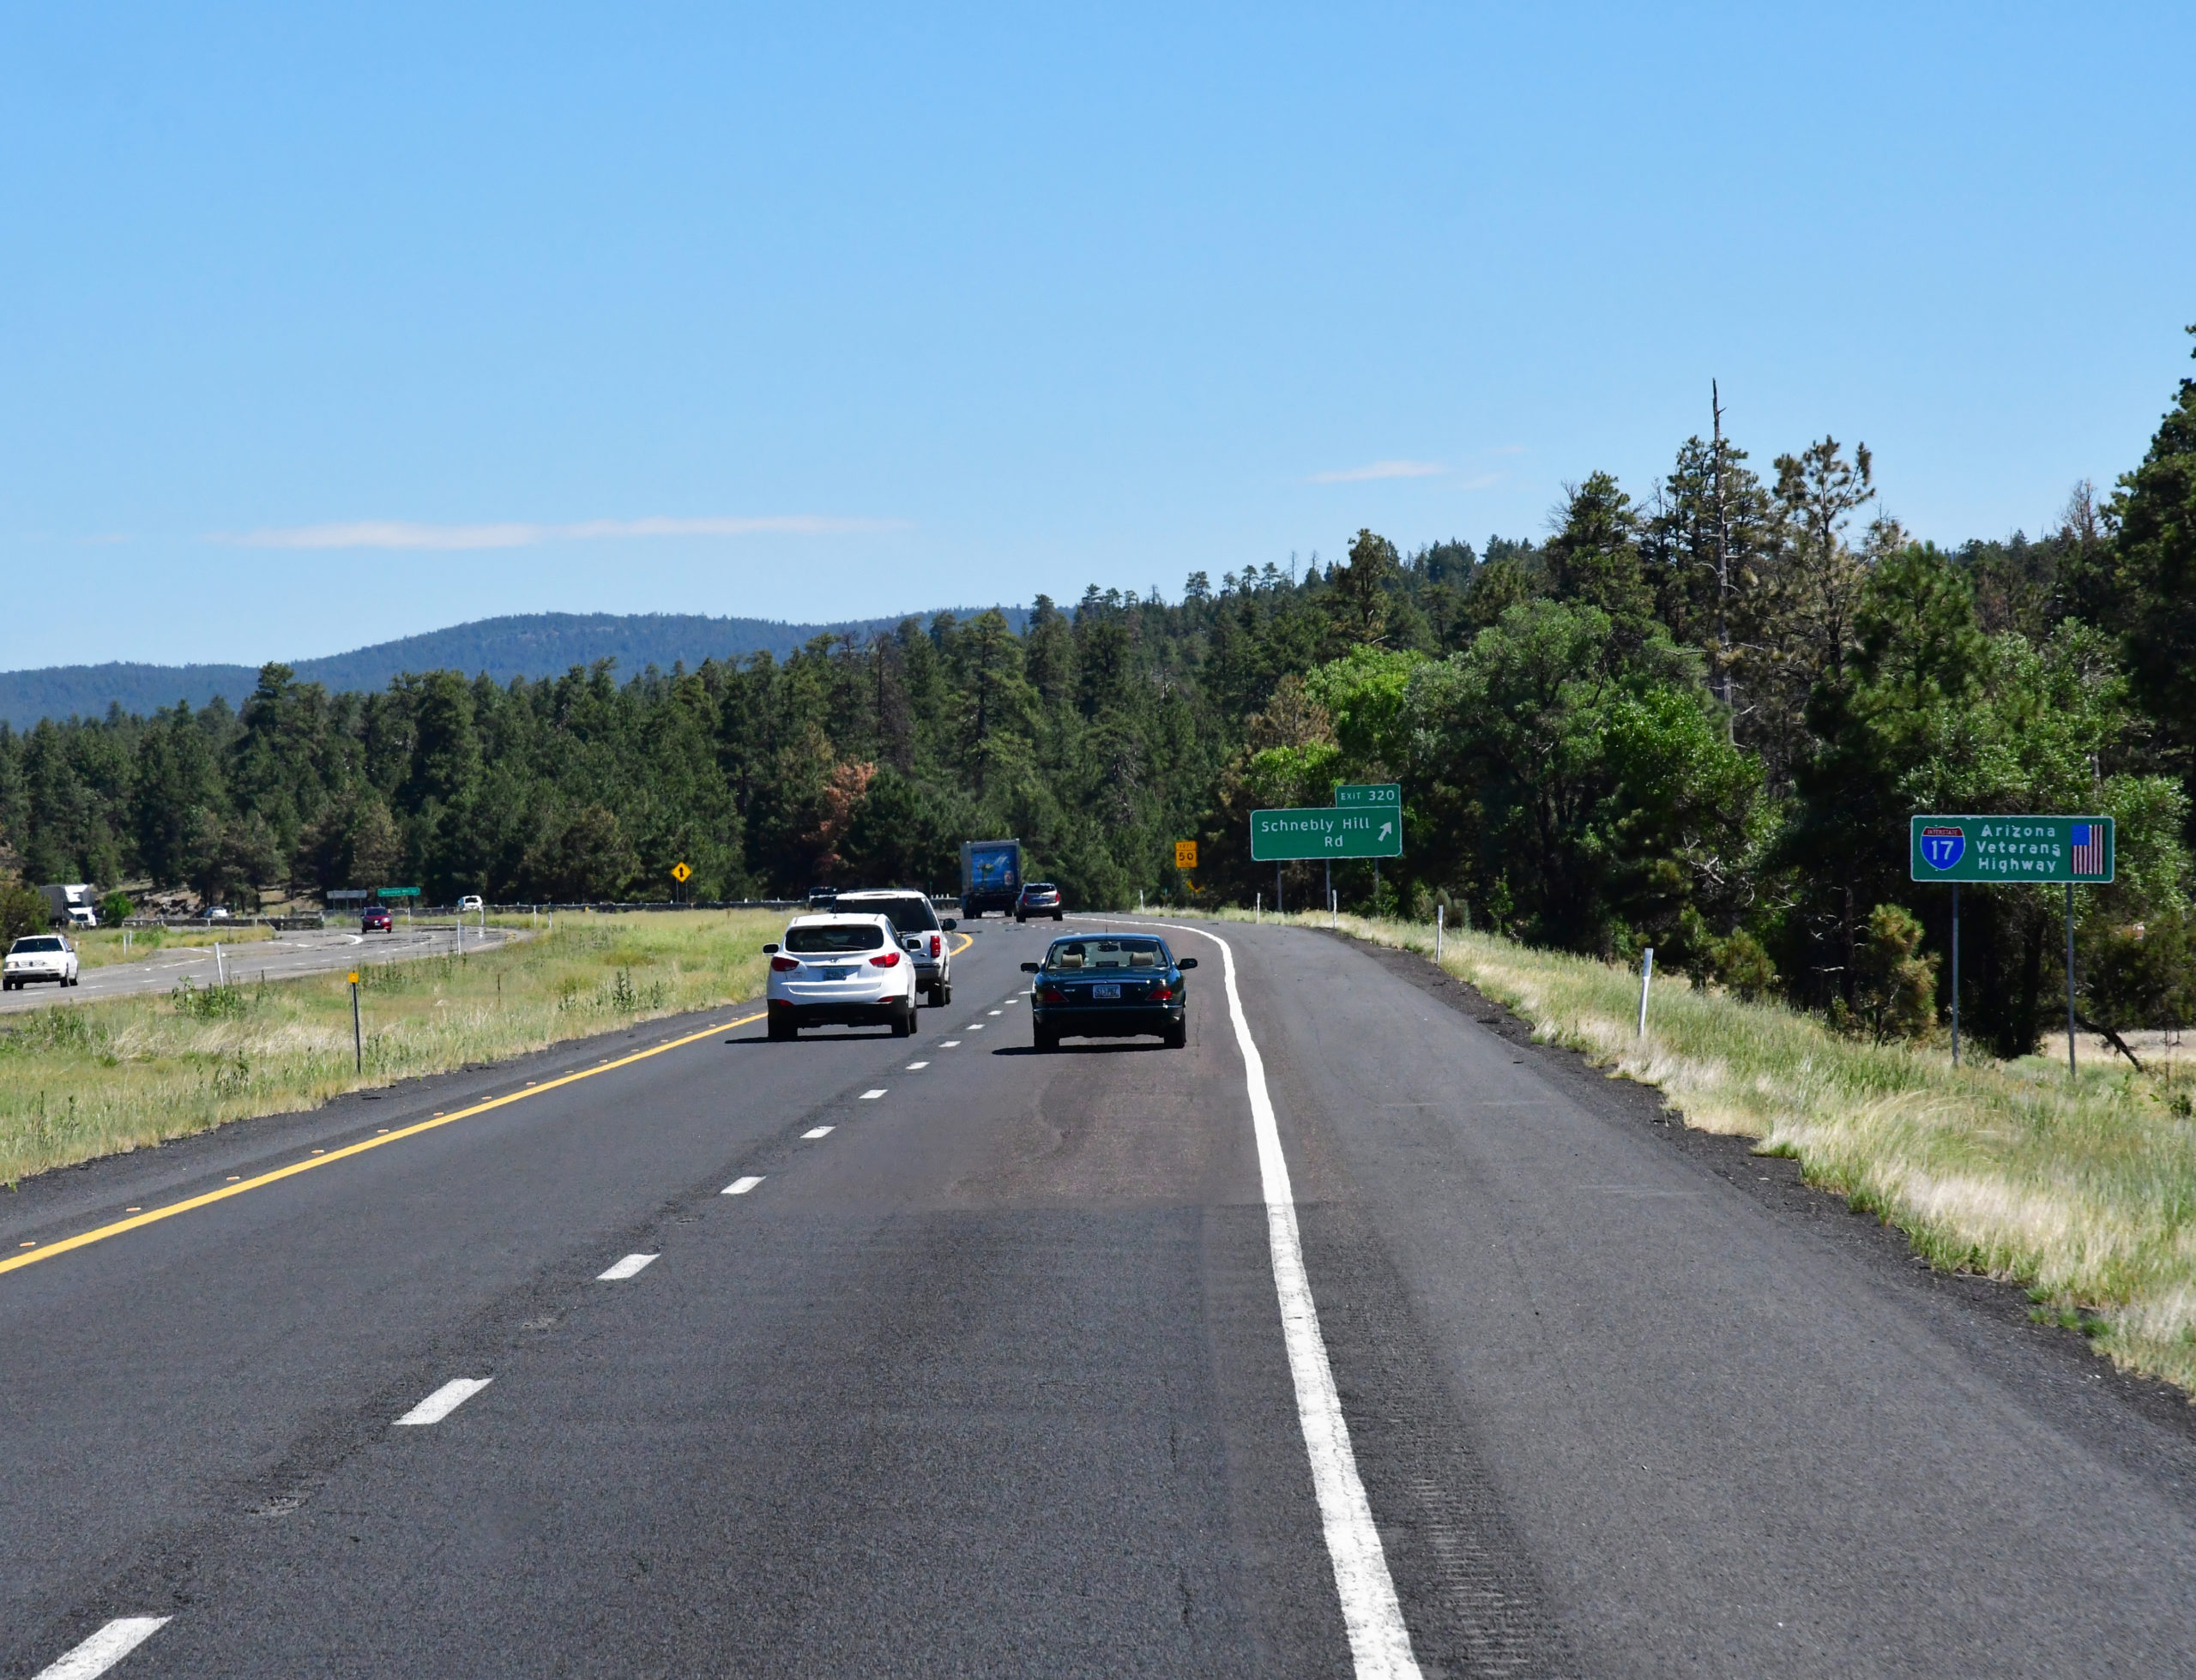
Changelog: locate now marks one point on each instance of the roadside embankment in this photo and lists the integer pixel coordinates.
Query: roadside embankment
(2082, 1190)
(94, 1078)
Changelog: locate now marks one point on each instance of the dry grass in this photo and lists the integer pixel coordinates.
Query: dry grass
(98, 948)
(82, 1080)
(2083, 1191)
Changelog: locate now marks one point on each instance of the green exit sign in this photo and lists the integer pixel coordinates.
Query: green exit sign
(1323, 831)
(2001, 849)
(1357, 796)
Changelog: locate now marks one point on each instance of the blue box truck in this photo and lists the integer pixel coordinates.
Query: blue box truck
(991, 876)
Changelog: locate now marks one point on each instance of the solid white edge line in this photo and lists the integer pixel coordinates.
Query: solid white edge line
(630, 1267)
(105, 1648)
(445, 1400)
(820, 1131)
(1379, 1642)
(740, 1186)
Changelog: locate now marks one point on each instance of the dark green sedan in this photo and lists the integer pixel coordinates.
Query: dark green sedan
(1108, 985)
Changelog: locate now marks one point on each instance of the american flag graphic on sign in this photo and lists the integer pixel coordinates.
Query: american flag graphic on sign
(2088, 841)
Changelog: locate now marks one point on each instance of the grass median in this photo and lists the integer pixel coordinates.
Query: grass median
(81, 1079)
(2082, 1190)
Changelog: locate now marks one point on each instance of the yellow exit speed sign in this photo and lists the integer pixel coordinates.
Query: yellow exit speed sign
(1186, 854)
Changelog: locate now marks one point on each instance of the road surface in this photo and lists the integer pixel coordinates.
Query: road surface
(285, 956)
(955, 1358)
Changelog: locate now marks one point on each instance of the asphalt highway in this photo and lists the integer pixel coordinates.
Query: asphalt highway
(285, 956)
(1360, 1336)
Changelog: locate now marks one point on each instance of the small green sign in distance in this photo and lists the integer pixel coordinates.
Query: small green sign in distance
(1353, 795)
(2002, 849)
(396, 892)
(1288, 836)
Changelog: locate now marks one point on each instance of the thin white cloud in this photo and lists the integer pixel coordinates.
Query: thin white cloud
(1381, 469)
(404, 533)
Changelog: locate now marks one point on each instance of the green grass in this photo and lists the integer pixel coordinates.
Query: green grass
(2083, 1191)
(82, 1080)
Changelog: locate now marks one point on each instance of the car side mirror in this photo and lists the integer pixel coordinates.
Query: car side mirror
(1031, 967)
(1185, 962)
(949, 924)
(769, 950)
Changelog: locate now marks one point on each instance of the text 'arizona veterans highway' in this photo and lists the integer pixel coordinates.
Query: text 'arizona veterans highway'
(2012, 848)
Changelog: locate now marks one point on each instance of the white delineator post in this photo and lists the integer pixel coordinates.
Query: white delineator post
(1646, 974)
(1440, 912)
(1257, 908)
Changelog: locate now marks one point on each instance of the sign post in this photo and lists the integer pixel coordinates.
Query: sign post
(2003, 850)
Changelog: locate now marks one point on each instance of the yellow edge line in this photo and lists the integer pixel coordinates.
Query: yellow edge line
(84, 1239)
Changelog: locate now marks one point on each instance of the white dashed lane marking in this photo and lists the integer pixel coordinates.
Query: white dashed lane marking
(630, 1267)
(871, 1096)
(445, 1400)
(741, 1186)
(820, 1131)
(917, 1067)
(105, 1648)
(994, 1011)
(951, 1044)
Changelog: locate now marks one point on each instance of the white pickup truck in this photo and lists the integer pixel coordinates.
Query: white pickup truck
(39, 956)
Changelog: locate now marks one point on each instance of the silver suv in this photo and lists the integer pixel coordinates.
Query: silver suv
(919, 929)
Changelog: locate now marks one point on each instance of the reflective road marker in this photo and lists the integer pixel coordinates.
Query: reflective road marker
(630, 1267)
(445, 1400)
(105, 1648)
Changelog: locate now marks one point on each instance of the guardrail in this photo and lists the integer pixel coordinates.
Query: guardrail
(200, 923)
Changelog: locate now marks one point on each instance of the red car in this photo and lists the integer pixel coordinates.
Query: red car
(374, 920)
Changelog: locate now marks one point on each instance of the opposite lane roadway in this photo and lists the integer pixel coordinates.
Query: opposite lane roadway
(283, 957)
(981, 1370)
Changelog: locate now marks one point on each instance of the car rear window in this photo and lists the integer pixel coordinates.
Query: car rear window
(909, 915)
(41, 944)
(1107, 952)
(836, 936)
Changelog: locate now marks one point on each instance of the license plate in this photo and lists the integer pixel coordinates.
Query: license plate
(837, 973)
(1104, 992)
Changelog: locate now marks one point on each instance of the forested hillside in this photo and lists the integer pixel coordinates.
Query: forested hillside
(1697, 717)
(532, 644)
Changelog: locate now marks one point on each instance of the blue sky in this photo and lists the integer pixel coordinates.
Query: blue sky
(328, 325)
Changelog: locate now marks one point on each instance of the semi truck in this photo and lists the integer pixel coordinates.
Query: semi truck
(991, 876)
(72, 906)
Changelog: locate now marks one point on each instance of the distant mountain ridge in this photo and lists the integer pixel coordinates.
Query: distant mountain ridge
(532, 645)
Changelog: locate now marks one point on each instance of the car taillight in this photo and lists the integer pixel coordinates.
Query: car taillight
(1051, 995)
(1163, 994)
(885, 961)
(937, 944)
(785, 965)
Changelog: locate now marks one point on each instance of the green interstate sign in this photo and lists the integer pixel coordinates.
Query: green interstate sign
(1371, 794)
(2000, 849)
(1288, 836)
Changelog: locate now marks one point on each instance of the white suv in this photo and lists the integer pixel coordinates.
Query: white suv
(911, 913)
(40, 956)
(849, 970)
